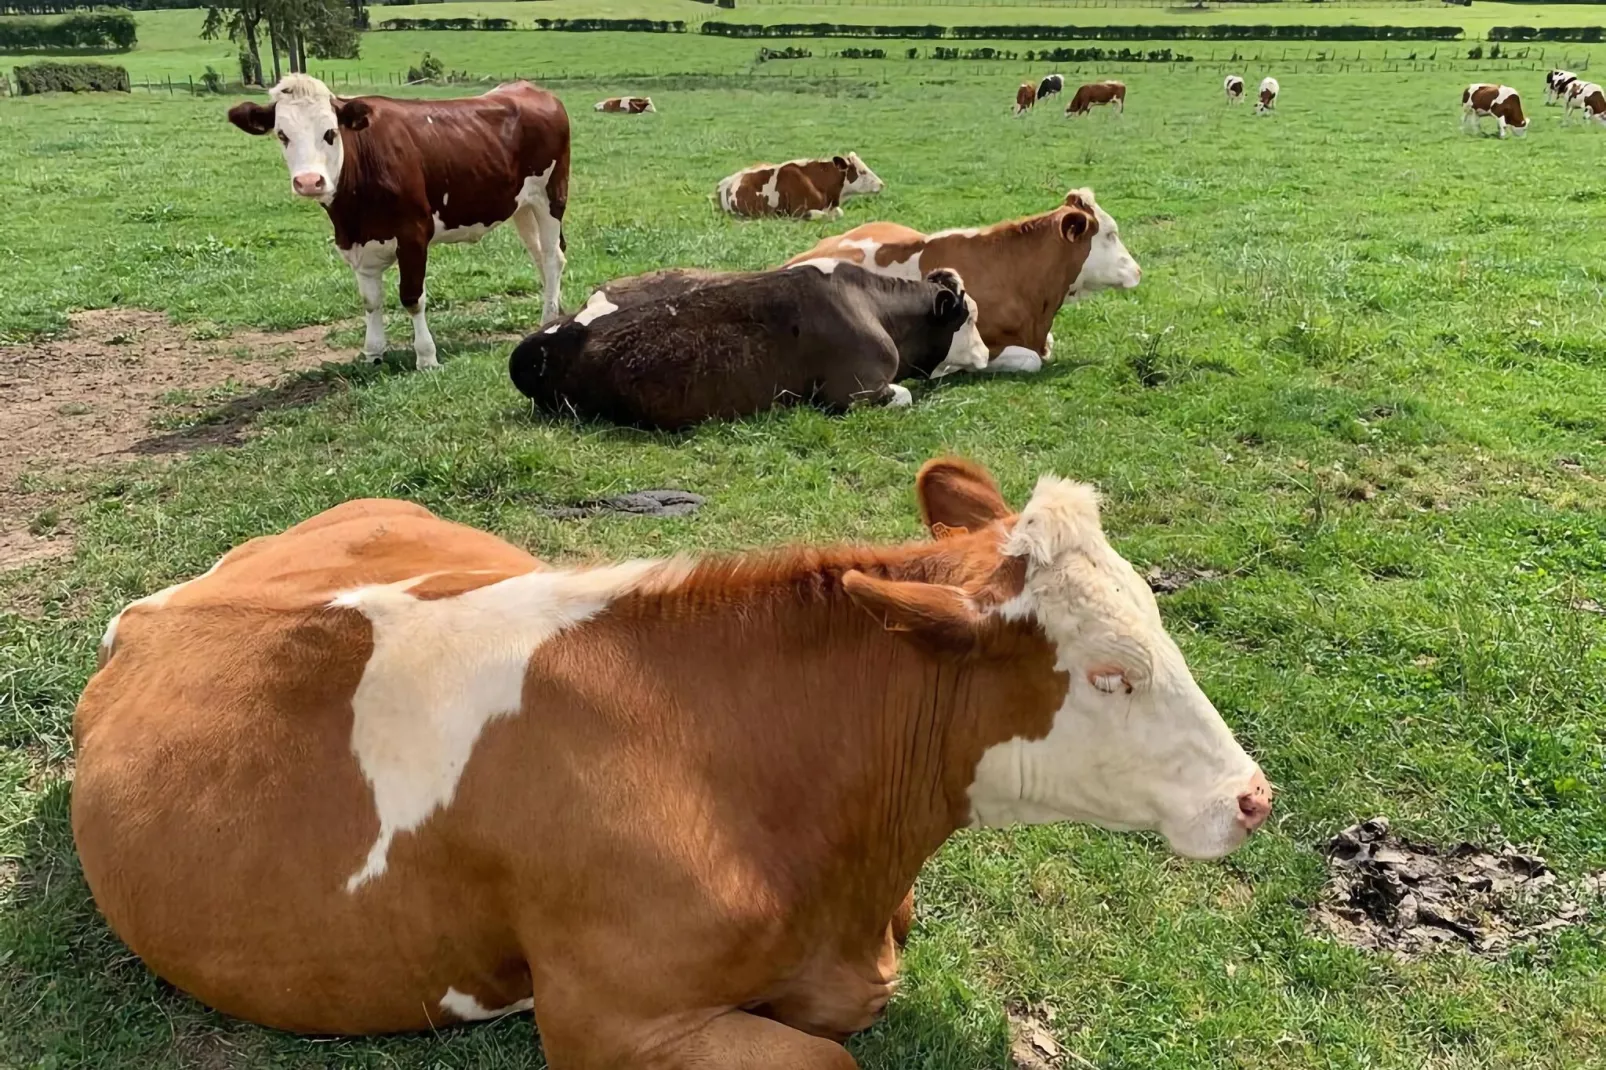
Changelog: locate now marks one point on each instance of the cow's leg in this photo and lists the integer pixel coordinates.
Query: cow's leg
(413, 258)
(1015, 359)
(903, 919)
(1501, 120)
(741, 1041)
(371, 285)
(541, 206)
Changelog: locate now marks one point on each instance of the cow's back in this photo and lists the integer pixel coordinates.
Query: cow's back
(218, 807)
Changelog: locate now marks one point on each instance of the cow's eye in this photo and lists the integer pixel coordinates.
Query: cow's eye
(329, 137)
(284, 138)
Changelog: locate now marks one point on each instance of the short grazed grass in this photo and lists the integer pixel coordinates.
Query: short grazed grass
(1363, 380)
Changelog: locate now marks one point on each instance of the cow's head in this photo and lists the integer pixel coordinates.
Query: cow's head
(1108, 264)
(1120, 735)
(856, 177)
(953, 324)
(307, 118)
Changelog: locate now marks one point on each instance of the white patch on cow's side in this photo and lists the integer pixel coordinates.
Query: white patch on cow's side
(823, 264)
(1154, 754)
(469, 1009)
(153, 601)
(955, 232)
(898, 269)
(596, 307)
(446, 198)
(1503, 94)
(770, 190)
(542, 233)
(1015, 359)
(901, 397)
(966, 351)
(471, 233)
(444, 668)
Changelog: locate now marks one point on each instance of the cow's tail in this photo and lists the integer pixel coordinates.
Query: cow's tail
(538, 365)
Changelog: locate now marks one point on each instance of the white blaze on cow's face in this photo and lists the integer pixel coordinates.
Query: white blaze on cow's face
(308, 130)
(860, 178)
(1108, 265)
(1136, 745)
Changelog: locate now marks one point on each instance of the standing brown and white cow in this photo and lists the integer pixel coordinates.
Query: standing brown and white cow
(1233, 85)
(1024, 269)
(1501, 101)
(629, 105)
(385, 772)
(1588, 99)
(396, 176)
(1269, 88)
(1097, 93)
(1557, 83)
(811, 188)
(1025, 97)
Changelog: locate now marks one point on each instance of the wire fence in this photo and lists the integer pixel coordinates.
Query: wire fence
(1177, 5)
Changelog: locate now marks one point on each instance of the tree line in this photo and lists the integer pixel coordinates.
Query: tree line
(80, 32)
(1219, 32)
(294, 29)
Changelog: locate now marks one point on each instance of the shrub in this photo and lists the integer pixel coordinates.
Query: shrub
(1475, 52)
(70, 78)
(429, 69)
(790, 52)
(862, 53)
(85, 32)
(211, 81)
(1179, 32)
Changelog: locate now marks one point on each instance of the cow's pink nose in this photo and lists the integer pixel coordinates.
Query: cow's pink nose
(308, 185)
(1254, 805)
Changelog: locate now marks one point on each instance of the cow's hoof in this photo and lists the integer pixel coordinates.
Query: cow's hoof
(374, 358)
(901, 397)
(428, 364)
(1016, 360)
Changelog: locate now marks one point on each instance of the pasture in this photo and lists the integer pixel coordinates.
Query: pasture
(1354, 410)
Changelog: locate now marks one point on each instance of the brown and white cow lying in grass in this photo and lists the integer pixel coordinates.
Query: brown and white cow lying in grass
(1096, 93)
(1269, 88)
(1023, 270)
(682, 347)
(397, 176)
(628, 105)
(1501, 101)
(385, 772)
(814, 189)
(1233, 86)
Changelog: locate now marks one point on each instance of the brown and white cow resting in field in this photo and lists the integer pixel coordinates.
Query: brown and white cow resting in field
(1557, 83)
(1097, 93)
(811, 188)
(1233, 86)
(1023, 269)
(629, 105)
(396, 176)
(385, 772)
(1025, 97)
(1269, 88)
(674, 348)
(1501, 101)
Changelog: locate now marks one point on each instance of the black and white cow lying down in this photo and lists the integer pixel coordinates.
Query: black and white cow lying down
(673, 348)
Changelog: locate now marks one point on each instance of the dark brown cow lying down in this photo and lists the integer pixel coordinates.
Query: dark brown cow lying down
(385, 772)
(681, 347)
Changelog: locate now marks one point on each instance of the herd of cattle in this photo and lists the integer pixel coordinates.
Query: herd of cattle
(384, 772)
(1482, 100)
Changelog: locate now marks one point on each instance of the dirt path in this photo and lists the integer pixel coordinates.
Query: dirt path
(92, 398)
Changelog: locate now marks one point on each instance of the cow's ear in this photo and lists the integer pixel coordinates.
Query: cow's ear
(841, 162)
(252, 117)
(932, 613)
(1076, 224)
(958, 496)
(947, 306)
(353, 114)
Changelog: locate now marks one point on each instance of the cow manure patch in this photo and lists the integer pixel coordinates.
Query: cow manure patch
(1172, 580)
(90, 398)
(1386, 893)
(635, 503)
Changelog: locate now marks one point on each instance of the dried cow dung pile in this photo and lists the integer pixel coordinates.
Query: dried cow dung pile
(1388, 894)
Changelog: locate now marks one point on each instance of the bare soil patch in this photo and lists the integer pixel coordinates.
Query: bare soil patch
(91, 397)
(1385, 893)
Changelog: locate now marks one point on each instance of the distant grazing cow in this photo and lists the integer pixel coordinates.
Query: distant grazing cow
(729, 346)
(1589, 100)
(385, 772)
(396, 176)
(630, 105)
(1097, 93)
(1234, 87)
(1019, 272)
(1268, 96)
(1025, 97)
(1501, 101)
(1049, 86)
(811, 188)
(1556, 85)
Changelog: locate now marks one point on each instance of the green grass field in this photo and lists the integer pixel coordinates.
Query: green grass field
(1364, 379)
